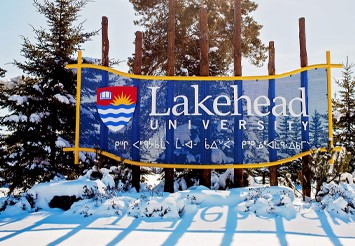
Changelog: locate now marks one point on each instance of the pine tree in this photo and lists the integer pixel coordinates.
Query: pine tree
(42, 108)
(154, 17)
(327, 166)
(286, 134)
(2, 72)
(344, 111)
(318, 133)
(289, 135)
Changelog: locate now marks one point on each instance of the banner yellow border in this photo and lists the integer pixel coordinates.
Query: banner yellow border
(205, 78)
(199, 166)
(76, 149)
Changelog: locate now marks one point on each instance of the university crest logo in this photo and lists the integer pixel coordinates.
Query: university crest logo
(116, 105)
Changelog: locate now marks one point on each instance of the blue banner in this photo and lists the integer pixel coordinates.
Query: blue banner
(194, 121)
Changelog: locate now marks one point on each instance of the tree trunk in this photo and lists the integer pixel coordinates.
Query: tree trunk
(238, 172)
(137, 69)
(169, 172)
(306, 172)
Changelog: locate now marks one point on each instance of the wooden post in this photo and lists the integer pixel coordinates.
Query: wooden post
(271, 64)
(271, 71)
(237, 35)
(169, 172)
(205, 174)
(306, 172)
(171, 39)
(137, 69)
(138, 55)
(105, 41)
(238, 172)
(104, 62)
(204, 43)
(302, 38)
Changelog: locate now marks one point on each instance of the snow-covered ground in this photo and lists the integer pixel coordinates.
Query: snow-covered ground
(197, 216)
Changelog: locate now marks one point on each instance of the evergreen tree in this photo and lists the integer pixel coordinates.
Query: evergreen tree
(154, 20)
(289, 135)
(2, 72)
(286, 135)
(318, 133)
(344, 111)
(327, 166)
(42, 108)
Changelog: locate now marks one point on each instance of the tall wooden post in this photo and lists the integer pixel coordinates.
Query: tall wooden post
(171, 39)
(204, 43)
(238, 172)
(271, 64)
(169, 172)
(104, 62)
(137, 69)
(105, 42)
(306, 172)
(138, 54)
(272, 134)
(237, 35)
(205, 174)
(302, 38)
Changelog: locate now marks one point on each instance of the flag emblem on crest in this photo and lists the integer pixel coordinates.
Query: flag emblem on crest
(116, 105)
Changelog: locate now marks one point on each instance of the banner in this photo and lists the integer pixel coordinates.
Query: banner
(204, 120)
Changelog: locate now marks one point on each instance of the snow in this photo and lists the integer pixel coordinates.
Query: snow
(107, 179)
(62, 99)
(35, 118)
(184, 71)
(255, 215)
(183, 133)
(18, 99)
(218, 156)
(214, 49)
(337, 116)
(11, 83)
(43, 193)
(15, 118)
(60, 143)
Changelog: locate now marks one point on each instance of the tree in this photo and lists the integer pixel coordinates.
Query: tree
(327, 166)
(2, 72)
(289, 134)
(318, 132)
(42, 108)
(154, 17)
(344, 113)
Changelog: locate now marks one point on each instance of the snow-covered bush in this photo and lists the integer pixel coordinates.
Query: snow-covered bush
(263, 203)
(337, 199)
(106, 207)
(122, 176)
(159, 207)
(222, 180)
(83, 188)
(185, 179)
(180, 184)
(116, 178)
(15, 203)
(327, 166)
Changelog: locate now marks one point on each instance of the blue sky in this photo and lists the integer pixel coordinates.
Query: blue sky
(17, 16)
(329, 26)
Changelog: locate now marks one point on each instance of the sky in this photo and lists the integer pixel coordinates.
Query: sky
(329, 26)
